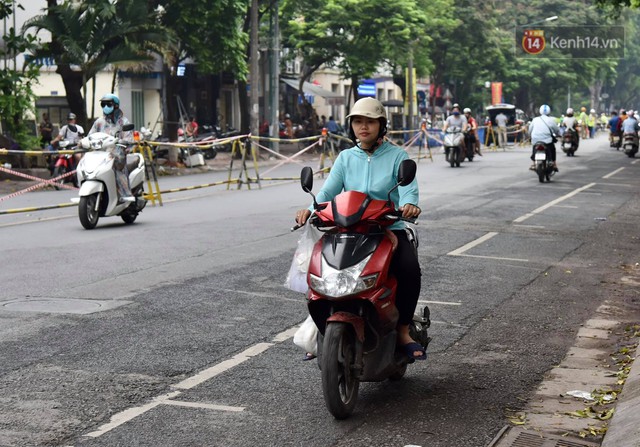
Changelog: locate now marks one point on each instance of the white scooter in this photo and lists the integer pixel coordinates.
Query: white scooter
(98, 195)
(452, 151)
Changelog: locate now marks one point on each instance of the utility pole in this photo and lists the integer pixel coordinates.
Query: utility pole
(274, 80)
(410, 91)
(254, 72)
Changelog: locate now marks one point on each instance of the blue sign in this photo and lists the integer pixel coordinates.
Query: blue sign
(367, 88)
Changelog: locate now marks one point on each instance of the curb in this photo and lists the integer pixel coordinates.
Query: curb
(624, 428)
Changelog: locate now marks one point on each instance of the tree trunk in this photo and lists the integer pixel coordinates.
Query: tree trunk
(170, 114)
(73, 85)
(595, 91)
(244, 108)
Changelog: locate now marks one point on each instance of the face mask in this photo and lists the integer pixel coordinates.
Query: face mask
(456, 113)
(107, 109)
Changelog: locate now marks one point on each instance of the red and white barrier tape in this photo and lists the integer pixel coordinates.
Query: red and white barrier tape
(43, 182)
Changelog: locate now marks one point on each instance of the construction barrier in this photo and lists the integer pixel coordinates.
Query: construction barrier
(245, 148)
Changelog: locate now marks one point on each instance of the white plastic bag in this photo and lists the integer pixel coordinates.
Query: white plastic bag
(297, 276)
(307, 335)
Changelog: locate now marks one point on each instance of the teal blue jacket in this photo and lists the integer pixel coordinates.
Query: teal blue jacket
(375, 175)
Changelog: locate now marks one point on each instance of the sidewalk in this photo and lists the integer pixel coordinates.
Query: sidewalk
(592, 397)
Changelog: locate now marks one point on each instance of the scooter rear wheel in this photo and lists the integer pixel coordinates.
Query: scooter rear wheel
(541, 169)
(339, 384)
(87, 211)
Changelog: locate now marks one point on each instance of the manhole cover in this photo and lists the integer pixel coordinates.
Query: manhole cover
(61, 305)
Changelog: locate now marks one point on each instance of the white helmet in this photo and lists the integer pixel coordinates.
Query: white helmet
(467, 110)
(569, 111)
(368, 107)
(545, 109)
(593, 111)
(630, 113)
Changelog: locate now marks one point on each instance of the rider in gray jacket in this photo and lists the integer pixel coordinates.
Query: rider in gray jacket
(543, 129)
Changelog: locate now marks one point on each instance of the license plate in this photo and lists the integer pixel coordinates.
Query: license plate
(541, 156)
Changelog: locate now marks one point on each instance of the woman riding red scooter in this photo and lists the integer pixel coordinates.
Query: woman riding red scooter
(372, 314)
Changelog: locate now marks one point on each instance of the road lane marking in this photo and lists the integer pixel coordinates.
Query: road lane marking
(470, 245)
(552, 203)
(497, 258)
(181, 403)
(130, 413)
(461, 251)
(444, 303)
(221, 367)
(611, 174)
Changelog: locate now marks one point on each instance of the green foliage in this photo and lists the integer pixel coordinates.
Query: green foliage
(95, 33)
(16, 93)
(210, 33)
(360, 36)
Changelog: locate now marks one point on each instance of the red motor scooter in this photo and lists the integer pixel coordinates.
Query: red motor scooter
(64, 164)
(352, 295)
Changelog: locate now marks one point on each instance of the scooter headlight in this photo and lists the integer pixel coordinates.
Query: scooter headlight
(337, 283)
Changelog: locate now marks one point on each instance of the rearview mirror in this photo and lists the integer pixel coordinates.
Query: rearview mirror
(407, 172)
(306, 179)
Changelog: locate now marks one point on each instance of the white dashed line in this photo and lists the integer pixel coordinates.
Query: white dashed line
(552, 203)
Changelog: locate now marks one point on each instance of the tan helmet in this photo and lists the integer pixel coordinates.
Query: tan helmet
(368, 107)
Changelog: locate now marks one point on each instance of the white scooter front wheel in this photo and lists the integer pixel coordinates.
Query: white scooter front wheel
(87, 211)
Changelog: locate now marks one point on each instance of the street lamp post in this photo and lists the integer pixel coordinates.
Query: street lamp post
(548, 19)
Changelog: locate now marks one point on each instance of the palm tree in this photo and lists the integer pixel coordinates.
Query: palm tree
(89, 36)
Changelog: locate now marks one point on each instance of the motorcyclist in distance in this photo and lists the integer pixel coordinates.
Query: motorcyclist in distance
(569, 122)
(614, 129)
(543, 129)
(472, 131)
(630, 125)
(111, 123)
(457, 120)
(71, 132)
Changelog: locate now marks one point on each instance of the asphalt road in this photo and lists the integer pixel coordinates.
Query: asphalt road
(176, 331)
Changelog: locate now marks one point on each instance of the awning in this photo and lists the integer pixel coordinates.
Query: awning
(393, 103)
(331, 98)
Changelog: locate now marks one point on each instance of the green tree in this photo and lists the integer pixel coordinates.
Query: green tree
(88, 36)
(16, 93)
(210, 34)
(359, 37)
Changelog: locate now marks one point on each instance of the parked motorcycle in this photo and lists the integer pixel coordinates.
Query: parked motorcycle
(569, 142)
(98, 195)
(630, 144)
(453, 153)
(544, 167)
(351, 294)
(63, 164)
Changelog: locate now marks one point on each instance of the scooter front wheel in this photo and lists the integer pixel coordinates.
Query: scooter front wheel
(87, 211)
(57, 172)
(339, 383)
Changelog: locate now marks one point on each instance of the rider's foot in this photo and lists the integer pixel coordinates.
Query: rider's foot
(532, 167)
(408, 344)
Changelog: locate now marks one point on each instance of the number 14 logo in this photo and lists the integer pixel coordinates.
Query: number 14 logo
(533, 41)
